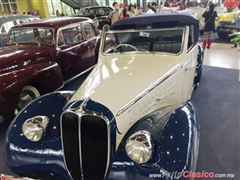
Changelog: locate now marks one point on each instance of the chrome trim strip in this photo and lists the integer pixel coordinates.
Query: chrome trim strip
(80, 74)
(80, 149)
(152, 87)
(64, 159)
(80, 112)
(158, 100)
(187, 62)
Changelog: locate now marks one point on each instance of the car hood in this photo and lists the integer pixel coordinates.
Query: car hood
(118, 81)
(21, 55)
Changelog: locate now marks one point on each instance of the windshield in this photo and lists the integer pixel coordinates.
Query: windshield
(147, 41)
(31, 35)
(94, 12)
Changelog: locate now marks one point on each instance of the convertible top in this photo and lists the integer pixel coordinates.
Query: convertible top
(152, 21)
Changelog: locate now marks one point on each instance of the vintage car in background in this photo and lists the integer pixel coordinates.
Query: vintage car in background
(226, 16)
(99, 14)
(8, 21)
(195, 11)
(130, 119)
(227, 25)
(41, 55)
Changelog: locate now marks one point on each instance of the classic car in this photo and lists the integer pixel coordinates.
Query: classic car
(8, 21)
(227, 26)
(130, 119)
(41, 55)
(99, 14)
(224, 16)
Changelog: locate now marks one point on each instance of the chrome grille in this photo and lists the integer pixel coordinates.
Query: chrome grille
(85, 143)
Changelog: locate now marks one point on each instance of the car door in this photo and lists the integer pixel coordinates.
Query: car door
(73, 51)
(189, 65)
(92, 40)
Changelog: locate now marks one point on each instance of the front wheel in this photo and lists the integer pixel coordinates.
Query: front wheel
(198, 72)
(222, 35)
(27, 95)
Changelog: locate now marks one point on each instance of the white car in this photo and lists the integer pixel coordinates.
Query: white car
(130, 119)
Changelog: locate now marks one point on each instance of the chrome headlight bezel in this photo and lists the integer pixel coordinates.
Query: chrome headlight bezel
(34, 128)
(139, 147)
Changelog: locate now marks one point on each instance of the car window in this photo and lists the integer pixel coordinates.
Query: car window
(89, 31)
(8, 25)
(3, 29)
(70, 35)
(107, 11)
(31, 35)
(144, 41)
(83, 12)
(192, 39)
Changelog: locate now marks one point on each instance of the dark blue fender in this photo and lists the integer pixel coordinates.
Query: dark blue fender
(200, 59)
(44, 159)
(176, 137)
(31, 159)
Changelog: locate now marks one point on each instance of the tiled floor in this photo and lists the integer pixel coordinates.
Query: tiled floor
(221, 55)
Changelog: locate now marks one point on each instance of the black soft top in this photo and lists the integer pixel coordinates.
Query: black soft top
(161, 20)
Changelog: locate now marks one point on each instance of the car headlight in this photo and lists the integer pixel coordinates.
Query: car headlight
(34, 128)
(139, 147)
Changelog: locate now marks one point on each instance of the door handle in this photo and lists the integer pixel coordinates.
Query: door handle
(188, 69)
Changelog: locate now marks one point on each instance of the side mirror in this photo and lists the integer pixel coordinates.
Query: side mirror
(106, 28)
(58, 50)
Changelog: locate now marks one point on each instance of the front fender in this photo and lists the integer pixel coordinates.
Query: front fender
(27, 157)
(176, 137)
(46, 76)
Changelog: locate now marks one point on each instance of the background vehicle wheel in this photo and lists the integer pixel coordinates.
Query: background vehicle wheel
(28, 94)
(222, 35)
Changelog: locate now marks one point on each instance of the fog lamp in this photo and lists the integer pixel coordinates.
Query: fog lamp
(139, 147)
(34, 128)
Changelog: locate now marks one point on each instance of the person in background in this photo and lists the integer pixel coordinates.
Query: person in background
(29, 13)
(160, 6)
(58, 13)
(24, 13)
(138, 9)
(125, 13)
(115, 15)
(166, 4)
(154, 7)
(182, 5)
(131, 11)
(209, 20)
(149, 10)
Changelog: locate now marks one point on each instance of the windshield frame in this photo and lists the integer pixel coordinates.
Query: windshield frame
(31, 42)
(145, 30)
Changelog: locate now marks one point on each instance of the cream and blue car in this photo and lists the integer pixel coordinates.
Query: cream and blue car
(132, 117)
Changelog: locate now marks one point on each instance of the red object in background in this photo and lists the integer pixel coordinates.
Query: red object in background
(231, 4)
(3, 177)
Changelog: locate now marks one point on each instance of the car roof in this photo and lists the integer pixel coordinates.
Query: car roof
(7, 18)
(161, 20)
(54, 22)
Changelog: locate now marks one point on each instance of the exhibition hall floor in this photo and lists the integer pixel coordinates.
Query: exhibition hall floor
(218, 103)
